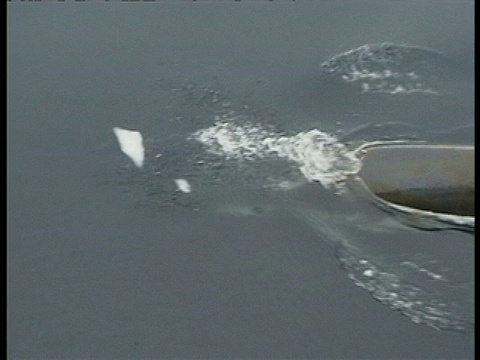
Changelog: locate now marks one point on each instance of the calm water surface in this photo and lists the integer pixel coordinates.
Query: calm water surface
(275, 252)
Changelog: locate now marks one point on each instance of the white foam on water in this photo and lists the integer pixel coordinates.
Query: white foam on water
(382, 68)
(427, 272)
(318, 155)
(131, 144)
(412, 301)
(183, 185)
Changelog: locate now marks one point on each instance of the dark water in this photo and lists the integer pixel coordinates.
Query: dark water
(276, 252)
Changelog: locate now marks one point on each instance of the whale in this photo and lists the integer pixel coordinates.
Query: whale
(428, 177)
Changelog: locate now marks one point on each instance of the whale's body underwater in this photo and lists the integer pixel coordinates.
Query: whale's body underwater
(422, 186)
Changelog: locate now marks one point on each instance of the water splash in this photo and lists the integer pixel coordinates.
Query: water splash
(319, 156)
(389, 68)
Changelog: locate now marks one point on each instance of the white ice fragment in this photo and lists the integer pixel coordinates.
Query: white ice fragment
(183, 185)
(131, 144)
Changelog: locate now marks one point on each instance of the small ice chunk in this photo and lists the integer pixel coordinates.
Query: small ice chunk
(183, 185)
(131, 144)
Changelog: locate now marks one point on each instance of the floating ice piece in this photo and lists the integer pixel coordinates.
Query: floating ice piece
(183, 185)
(131, 144)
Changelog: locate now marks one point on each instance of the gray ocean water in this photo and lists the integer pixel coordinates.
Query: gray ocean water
(275, 253)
